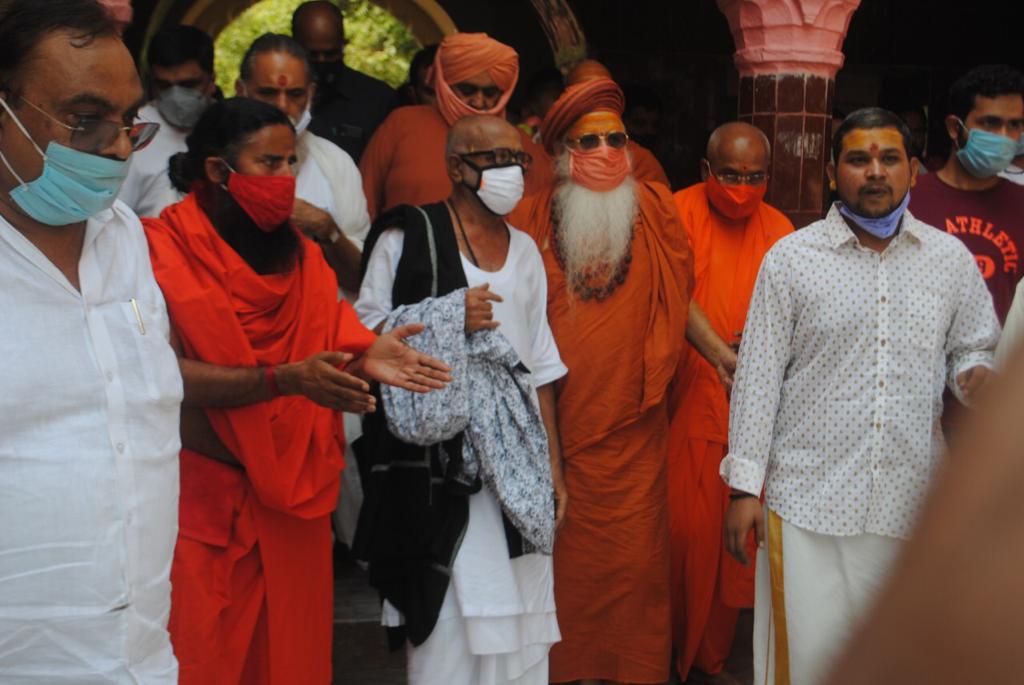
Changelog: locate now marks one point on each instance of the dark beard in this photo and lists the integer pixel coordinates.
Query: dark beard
(265, 253)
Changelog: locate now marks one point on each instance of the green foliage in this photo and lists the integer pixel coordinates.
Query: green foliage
(378, 44)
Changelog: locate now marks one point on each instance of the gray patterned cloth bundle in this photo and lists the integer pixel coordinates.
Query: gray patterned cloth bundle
(491, 401)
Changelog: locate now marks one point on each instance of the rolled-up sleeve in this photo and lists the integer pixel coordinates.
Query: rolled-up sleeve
(974, 333)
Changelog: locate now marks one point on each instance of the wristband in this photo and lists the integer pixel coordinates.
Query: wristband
(739, 494)
(270, 381)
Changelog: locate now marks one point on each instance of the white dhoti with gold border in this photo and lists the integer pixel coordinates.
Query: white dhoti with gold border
(811, 591)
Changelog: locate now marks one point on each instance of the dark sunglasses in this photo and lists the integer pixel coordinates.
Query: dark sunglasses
(468, 90)
(96, 135)
(501, 156)
(591, 141)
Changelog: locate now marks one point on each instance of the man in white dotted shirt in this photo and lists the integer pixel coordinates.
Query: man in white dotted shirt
(857, 323)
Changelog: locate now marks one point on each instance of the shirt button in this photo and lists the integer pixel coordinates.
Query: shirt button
(883, 299)
(881, 384)
(120, 447)
(883, 342)
(878, 426)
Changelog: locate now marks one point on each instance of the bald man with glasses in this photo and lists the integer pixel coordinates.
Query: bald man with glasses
(730, 228)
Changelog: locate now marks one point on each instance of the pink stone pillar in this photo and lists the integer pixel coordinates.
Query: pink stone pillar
(787, 55)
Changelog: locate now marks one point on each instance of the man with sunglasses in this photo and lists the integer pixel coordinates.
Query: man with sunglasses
(404, 161)
(181, 86)
(89, 420)
(619, 276)
(457, 583)
(730, 229)
(645, 165)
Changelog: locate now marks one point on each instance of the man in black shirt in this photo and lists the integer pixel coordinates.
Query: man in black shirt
(349, 105)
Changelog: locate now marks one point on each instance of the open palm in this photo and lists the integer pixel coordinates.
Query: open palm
(390, 360)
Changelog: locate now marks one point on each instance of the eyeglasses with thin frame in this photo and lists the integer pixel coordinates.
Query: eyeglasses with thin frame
(498, 157)
(754, 179)
(591, 141)
(733, 179)
(96, 135)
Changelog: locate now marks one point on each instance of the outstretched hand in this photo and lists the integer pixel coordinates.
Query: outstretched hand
(391, 361)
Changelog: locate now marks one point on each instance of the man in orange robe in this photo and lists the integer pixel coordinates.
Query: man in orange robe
(730, 230)
(252, 583)
(404, 162)
(646, 166)
(619, 275)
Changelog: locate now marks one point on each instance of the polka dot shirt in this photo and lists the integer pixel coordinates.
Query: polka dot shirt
(838, 393)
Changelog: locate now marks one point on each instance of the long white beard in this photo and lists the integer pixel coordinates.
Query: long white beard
(594, 228)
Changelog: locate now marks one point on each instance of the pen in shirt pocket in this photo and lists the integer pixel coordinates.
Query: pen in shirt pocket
(138, 315)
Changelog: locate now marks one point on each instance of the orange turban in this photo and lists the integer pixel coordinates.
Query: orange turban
(462, 56)
(597, 95)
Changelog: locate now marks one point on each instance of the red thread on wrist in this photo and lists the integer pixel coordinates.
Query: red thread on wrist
(270, 380)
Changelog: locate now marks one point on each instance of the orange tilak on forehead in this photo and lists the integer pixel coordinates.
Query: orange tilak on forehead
(596, 122)
(872, 140)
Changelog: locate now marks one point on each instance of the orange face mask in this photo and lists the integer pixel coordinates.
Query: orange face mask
(734, 202)
(604, 168)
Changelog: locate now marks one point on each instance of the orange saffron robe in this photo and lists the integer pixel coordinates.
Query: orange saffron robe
(252, 584)
(611, 555)
(404, 161)
(646, 166)
(708, 585)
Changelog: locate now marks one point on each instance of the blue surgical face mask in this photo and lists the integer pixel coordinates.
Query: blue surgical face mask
(986, 154)
(74, 185)
(882, 227)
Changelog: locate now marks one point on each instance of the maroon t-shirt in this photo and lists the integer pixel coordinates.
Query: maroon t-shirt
(989, 222)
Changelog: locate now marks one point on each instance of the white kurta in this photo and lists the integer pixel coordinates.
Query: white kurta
(147, 189)
(497, 622)
(88, 461)
(328, 178)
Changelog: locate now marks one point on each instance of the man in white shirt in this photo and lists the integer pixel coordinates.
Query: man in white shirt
(89, 415)
(857, 323)
(181, 86)
(330, 205)
(457, 585)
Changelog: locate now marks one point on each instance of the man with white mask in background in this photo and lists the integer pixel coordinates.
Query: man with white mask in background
(330, 206)
(181, 86)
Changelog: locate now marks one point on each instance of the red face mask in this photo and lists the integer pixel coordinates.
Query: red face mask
(601, 169)
(734, 202)
(268, 200)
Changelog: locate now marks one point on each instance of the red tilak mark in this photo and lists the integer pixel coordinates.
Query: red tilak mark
(282, 80)
(874, 148)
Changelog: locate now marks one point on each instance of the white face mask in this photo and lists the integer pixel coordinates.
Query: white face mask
(501, 188)
(303, 123)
